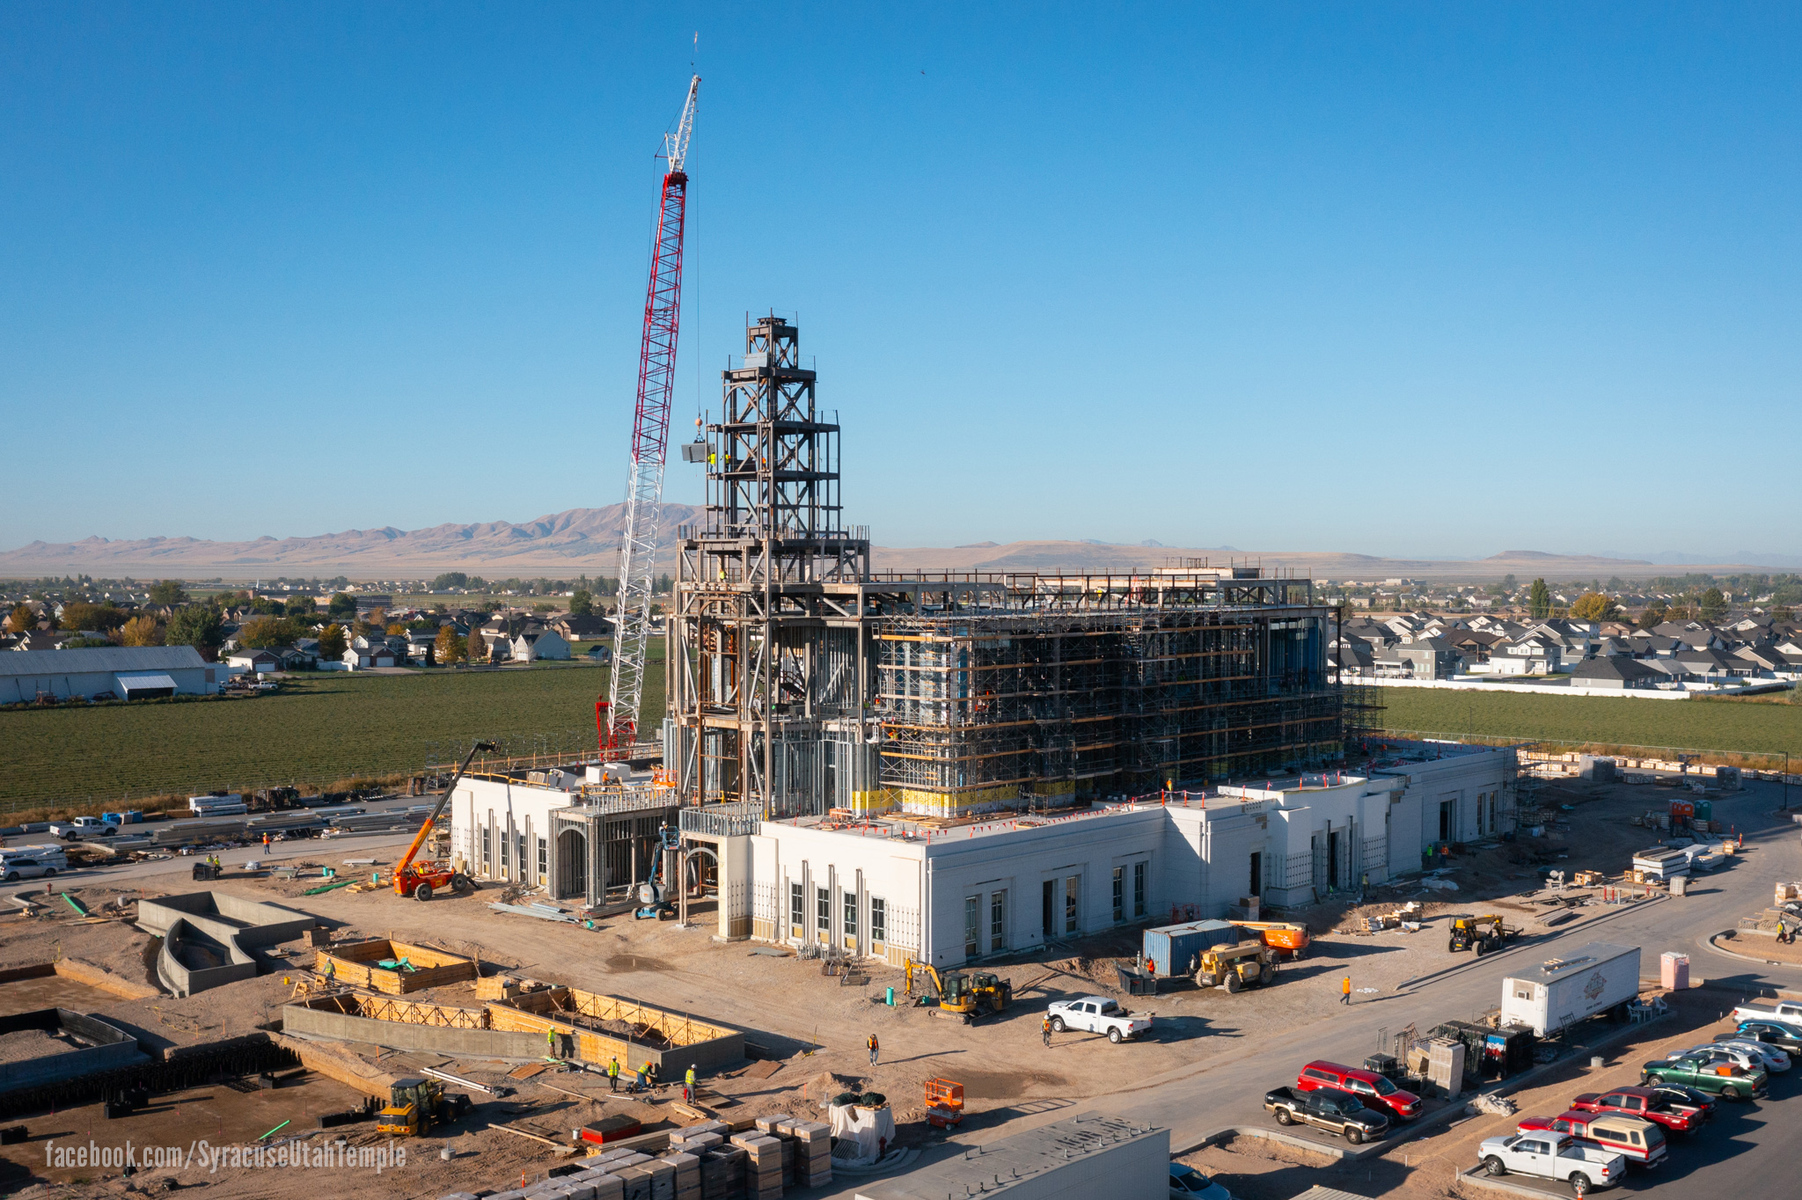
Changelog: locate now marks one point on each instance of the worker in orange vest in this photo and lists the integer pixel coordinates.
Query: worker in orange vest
(873, 1049)
(1345, 990)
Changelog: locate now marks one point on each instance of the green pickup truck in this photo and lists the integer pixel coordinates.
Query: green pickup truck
(1706, 1073)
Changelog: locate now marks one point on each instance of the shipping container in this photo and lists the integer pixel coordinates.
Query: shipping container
(1171, 947)
(1562, 991)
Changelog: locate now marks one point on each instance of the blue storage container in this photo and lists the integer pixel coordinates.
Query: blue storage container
(1171, 947)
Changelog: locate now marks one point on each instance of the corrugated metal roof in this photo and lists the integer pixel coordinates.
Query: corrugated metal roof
(110, 659)
(134, 682)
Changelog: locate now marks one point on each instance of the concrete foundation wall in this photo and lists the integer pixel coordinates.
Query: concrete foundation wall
(235, 926)
(397, 1035)
(183, 980)
(115, 1049)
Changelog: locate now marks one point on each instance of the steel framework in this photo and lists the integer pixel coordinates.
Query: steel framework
(650, 442)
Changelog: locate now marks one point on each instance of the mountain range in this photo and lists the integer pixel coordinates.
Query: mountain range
(586, 541)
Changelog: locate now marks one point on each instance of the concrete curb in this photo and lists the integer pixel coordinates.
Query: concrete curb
(1448, 972)
(1448, 1115)
(1763, 962)
(1479, 1177)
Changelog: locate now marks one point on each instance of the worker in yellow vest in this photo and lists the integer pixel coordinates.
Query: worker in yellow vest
(613, 1074)
(688, 1085)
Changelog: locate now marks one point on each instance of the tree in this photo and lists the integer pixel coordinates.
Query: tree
(301, 606)
(198, 626)
(266, 633)
(86, 643)
(449, 580)
(102, 618)
(332, 643)
(581, 604)
(1539, 600)
(1594, 606)
(1712, 604)
(395, 628)
(21, 619)
(341, 605)
(141, 631)
(450, 646)
(1654, 614)
(168, 591)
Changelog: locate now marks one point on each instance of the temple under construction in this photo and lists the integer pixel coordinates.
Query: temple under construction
(802, 681)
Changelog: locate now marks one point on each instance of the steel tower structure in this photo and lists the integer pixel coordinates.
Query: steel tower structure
(650, 442)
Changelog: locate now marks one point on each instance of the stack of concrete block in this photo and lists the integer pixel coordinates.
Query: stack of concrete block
(636, 1179)
(763, 1177)
(663, 1178)
(695, 1139)
(723, 1173)
(777, 1126)
(607, 1160)
(813, 1152)
(688, 1175)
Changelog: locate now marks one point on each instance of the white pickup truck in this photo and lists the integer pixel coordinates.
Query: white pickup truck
(80, 827)
(1551, 1155)
(1097, 1014)
(1789, 1012)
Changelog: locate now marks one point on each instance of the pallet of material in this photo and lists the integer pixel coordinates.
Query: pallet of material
(359, 964)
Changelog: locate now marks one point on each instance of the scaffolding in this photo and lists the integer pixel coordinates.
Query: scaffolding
(801, 681)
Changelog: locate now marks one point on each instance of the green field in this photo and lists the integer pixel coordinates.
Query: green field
(1725, 725)
(317, 730)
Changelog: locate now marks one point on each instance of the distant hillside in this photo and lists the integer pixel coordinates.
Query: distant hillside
(586, 540)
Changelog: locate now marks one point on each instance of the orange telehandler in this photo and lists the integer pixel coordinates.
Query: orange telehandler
(420, 879)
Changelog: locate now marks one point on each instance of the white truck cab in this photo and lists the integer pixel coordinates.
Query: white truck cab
(1551, 1155)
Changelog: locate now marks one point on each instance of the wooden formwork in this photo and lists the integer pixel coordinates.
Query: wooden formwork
(406, 1012)
(355, 963)
(651, 1034)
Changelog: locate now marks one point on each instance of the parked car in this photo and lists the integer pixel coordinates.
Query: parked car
(1771, 1057)
(1705, 1073)
(1186, 1183)
(1680, 1096)
(1636, 1140)
(1553, 1156)
(1786, 1037)
(1098, 1014)
(1645, 1103)
(31, 862)
(1328, 1109)
(1775, 1010)
(1372, 1088)
(1748, 1058)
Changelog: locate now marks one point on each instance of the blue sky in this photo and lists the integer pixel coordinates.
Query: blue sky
(1399, 279)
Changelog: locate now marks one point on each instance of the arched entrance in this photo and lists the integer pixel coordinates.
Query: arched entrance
(572, 865)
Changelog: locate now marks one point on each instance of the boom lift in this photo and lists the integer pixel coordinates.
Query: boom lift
(420, 879)
(1287, 936)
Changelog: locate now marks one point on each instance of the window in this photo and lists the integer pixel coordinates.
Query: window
(972, 926)
(997, 920)
(850, 917)
(878, 920)
(521, 860)
(1072, 887)
(504, 840)
(1048, 909)
(487, 850)
(797, 909)
(1493, 827)
(1138, 889)
(544, 860)
(1119, 893)
(822, 910)
(1480, 799)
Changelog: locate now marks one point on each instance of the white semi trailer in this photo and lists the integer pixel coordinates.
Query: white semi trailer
(1562, 991)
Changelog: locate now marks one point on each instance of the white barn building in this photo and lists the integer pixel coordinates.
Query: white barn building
(119, 672)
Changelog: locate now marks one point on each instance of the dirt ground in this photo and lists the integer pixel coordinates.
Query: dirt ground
(1426, 1168)
(811, 1028)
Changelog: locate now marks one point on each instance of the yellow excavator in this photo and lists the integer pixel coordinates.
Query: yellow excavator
(969, 994)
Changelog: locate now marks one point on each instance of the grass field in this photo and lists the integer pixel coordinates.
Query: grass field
(317, 730)
(1725, 725)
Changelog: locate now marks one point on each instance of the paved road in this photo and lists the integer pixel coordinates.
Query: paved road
(1225, 1091)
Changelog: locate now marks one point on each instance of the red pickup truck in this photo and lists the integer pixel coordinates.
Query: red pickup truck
(1636, 1140)
(1645, 1103)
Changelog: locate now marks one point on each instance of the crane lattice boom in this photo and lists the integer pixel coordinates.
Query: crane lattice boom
(650, 441)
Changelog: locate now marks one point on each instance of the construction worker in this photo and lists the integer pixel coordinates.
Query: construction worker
(1345, 990)
(688, 1085)
(873, 1049)
(1045, 1030)
(649, 1075)
(613, 1074)
(550, 1043)
(265, 843)
(1151, 966)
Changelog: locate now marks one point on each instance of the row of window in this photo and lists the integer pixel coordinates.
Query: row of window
(797, 915)
(517, 843)
(1493, 806)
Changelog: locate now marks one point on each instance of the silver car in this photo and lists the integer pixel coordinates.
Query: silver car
(1776, 1061)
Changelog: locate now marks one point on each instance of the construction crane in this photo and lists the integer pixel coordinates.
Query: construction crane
(650, 443)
